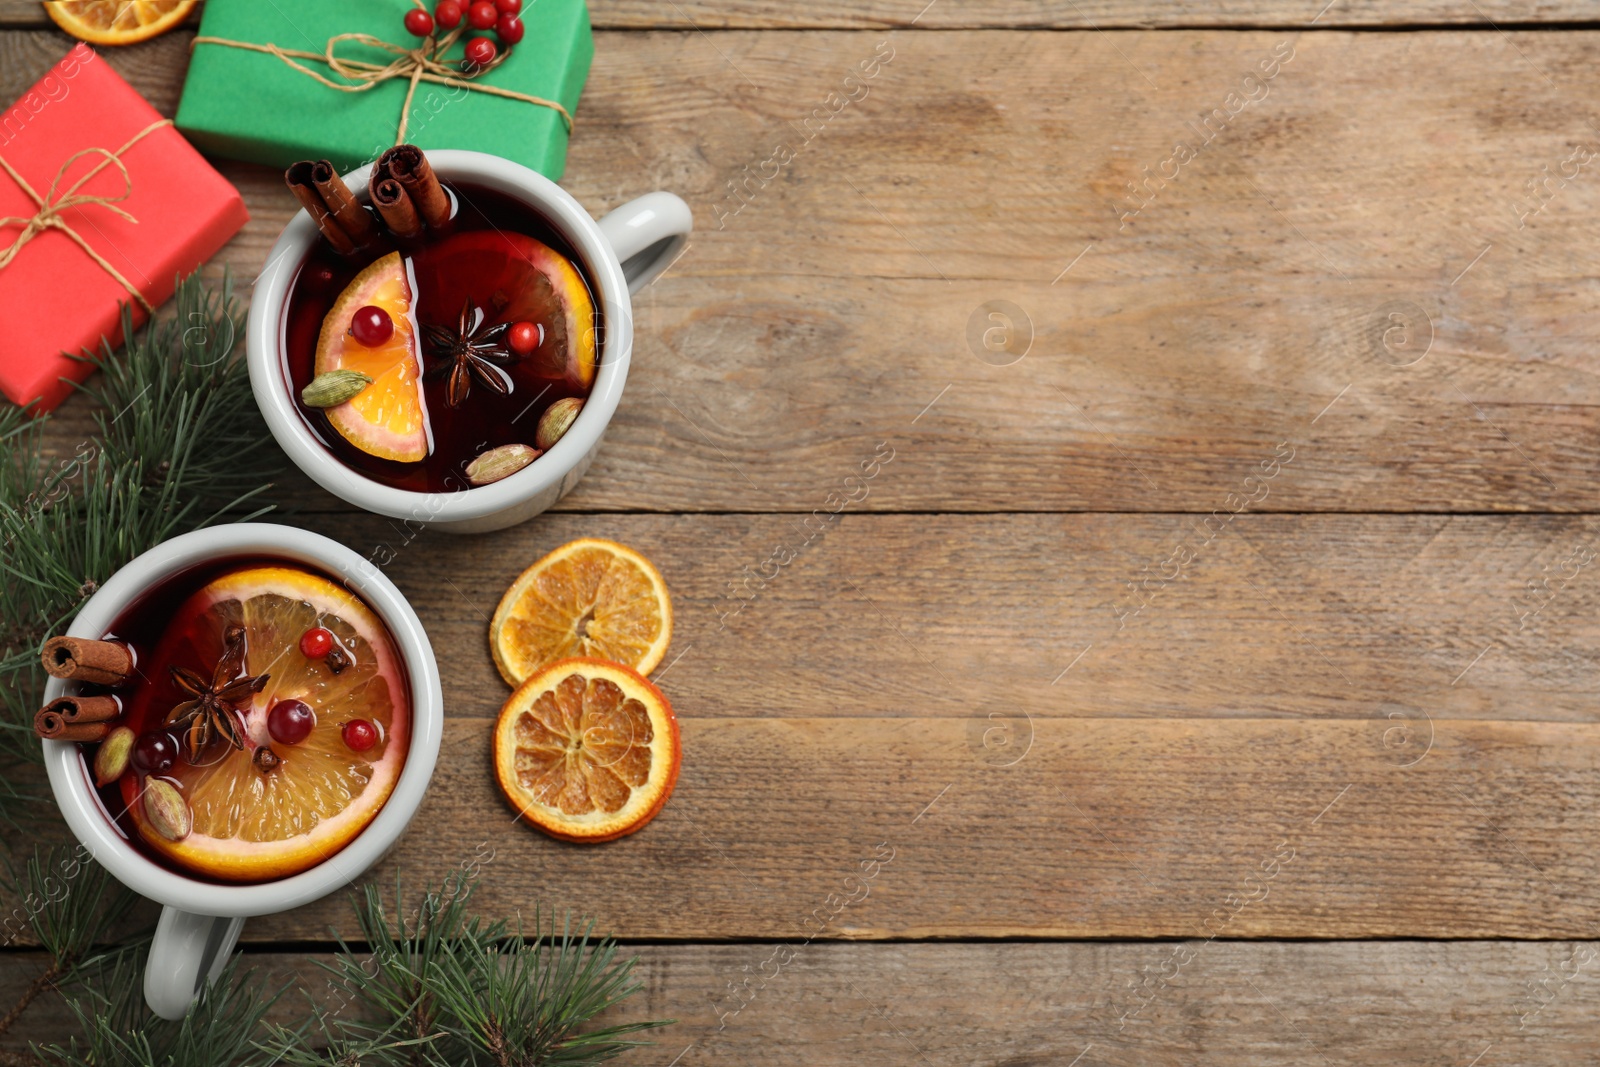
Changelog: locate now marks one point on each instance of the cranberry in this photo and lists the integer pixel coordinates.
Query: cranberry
(316, 642)
(290, 721)
(525, 337)
(372, 326)
(482, 14)
(418, 22)
(320, 276)
(509, 29)
(508, 7)
(447, 13)
(480, 51)
(360, 735)
(154, 753)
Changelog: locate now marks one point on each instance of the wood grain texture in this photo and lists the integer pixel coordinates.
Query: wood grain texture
(1252, 301)
(1008, 1005)
(868, 828)
(1079, 14)
(1021, 14)
(949, 616)
(1104, 828)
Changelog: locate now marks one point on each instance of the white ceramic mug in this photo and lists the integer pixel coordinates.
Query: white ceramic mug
(200, 920)
(621, 253)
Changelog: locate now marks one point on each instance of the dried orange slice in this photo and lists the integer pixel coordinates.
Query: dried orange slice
(250, 825)
(118, 21)
(587, 750)
(386, 419)
(589, 597)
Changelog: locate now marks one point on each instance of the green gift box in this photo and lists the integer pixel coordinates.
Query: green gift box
(242, 101)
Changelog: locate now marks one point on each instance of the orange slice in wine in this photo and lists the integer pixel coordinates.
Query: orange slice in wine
(522, 280)
(587, 750)
(251, 824)
(589, 597)
(387, 419)
(118, 21)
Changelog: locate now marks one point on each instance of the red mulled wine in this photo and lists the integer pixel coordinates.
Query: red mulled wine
(264, 725)
(418, 360)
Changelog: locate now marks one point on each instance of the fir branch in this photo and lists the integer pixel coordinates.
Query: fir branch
(442, 987)
(523, 1002)
(72, 905)
(382, 1012)
(179, 446)
(447, 989)
(19, 431)
(402, 961)
(222, 1029)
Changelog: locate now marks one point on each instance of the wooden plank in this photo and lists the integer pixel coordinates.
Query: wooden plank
(908, 615)
(1081, 14)
(1105, 828)
(1246, 305)
(1080, 828)
(1020, 14)
(1230, 1004)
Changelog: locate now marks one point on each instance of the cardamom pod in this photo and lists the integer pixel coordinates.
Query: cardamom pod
(502, 462)
(116, 752)
(167, 810)
(556, 421)
(334, 388)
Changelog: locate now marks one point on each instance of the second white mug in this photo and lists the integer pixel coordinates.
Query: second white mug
(200, 920)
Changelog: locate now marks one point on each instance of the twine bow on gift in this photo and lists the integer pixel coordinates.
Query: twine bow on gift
(56, 201)
(424, 63)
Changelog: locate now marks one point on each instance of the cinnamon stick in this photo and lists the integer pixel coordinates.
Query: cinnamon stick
(298, 179)
(410, 167)
(390, 198)
(77, 710)
(355, 220)
(52, 727)
(79, 659)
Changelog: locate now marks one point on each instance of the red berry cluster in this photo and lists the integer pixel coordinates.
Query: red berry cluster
(498, 15)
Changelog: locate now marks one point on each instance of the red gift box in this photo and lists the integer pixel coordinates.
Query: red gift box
(55, 297)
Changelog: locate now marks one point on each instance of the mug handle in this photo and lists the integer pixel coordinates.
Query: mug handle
(647, 234)
(189, 951)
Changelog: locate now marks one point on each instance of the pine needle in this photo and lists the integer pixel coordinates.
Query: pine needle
(444, 988)
(115, 1029)
(440, 988)
(179, 445)
(69, 903)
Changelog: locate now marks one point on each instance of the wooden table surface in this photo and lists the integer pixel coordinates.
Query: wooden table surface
(1211, 663)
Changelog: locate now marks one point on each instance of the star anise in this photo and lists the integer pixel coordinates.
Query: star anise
(471, 350)
(215, 702)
